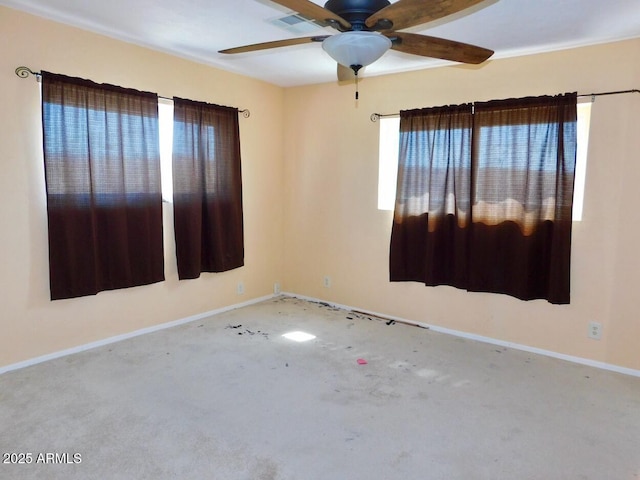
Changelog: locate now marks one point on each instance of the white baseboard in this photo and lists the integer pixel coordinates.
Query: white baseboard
(125, 336)
(480, 338)
(435, 328)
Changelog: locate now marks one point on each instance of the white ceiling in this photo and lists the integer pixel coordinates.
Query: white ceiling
(197, 29)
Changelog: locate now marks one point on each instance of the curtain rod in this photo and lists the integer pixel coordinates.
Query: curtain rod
(376, 116)
(24, 72)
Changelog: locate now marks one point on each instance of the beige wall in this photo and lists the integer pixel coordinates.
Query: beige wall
(333, 226)
(310, 193)
(30, 324)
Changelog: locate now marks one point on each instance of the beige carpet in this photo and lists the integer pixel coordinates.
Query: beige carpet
(229, 398)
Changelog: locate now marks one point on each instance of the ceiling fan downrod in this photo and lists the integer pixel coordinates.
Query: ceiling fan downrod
(356, 12)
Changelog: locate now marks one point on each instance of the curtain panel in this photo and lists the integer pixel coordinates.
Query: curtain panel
(207, 188)
(432, 214)
(506, 227)
(102, 172)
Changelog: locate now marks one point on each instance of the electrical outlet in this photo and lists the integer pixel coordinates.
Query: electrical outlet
(327, 281)
(276, 288)
(595, 330)
(240, 288)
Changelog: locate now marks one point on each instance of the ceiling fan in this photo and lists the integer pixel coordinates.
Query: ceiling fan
(368, 28)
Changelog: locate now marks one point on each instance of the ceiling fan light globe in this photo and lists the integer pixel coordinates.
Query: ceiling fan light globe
(356, 48)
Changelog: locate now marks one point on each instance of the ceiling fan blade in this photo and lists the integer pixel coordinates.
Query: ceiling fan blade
(407, 13)
(315, 12)
(274, 44)
(345, 74)
(438, 48)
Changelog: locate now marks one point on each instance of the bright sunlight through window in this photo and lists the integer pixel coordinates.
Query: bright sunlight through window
(584, 120)
(165, 119)
(388, 160)
(299, 336)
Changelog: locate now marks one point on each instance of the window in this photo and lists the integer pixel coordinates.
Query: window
(165, 119)
(112, 155)
(485, 197)
(388, 160)
(584, 121)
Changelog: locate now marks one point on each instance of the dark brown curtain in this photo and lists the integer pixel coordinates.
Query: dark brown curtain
(102, 169)
(516, 237)
(432, 214)
(207, 188)
(524, 164)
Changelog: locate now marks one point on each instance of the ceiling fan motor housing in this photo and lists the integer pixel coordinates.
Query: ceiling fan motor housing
(356, 12)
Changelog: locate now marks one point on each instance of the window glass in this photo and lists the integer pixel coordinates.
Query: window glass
(165, 117)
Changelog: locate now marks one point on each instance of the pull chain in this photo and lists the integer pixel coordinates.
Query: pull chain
(356, 69)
